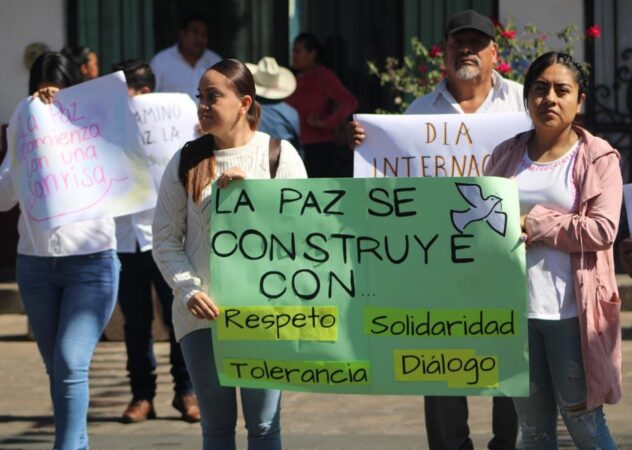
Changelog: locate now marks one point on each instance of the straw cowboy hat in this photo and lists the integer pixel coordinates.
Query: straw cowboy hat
(271, 80)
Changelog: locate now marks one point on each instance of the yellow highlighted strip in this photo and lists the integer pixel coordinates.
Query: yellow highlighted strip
(299, 372)
(459, 368)
(278, 323)
(440, 322)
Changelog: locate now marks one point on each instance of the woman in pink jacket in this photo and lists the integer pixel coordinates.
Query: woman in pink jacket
(570, 189)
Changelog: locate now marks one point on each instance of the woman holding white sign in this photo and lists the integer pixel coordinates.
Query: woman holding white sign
(231, 149)
(68, 279)
(570, 188)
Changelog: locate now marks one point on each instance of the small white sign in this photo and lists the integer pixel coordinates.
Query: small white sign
(432, 145)
(166, 122)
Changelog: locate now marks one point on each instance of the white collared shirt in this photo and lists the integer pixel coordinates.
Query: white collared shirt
(505, 96)
(175, 74)
(132, 229)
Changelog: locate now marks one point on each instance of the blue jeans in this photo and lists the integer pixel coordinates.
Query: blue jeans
(557, 380)
(138, 273)
(218, 405)
(69, 301)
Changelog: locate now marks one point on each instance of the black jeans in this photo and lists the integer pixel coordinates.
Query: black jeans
(138, 273)
(447, 429)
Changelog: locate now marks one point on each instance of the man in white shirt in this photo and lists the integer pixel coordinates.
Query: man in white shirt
(138, 274)
(180, 67)
(471, 86)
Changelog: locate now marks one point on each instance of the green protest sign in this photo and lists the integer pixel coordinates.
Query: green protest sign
(385, 286)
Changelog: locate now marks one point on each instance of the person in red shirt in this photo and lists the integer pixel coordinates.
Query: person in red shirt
(323, 105)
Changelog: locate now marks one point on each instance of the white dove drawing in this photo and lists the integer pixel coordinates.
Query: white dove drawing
(481, 208)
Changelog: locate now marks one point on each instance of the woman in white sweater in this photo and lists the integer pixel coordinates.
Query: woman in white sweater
(231, 149)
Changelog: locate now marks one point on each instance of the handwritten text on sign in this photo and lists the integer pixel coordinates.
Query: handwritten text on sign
(78, 158)
(388, 286)
(166, 122)
(432, 145)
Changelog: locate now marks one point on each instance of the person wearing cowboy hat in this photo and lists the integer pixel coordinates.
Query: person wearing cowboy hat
(275, 83)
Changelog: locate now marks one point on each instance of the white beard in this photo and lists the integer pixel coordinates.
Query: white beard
(466, 72)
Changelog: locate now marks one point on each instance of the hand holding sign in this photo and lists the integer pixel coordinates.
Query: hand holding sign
(202, 307)
(234, 173)
(47, 94)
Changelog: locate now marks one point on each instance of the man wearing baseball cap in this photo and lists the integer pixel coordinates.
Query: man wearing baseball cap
(471, 86)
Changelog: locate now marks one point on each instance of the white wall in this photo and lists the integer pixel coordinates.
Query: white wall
(548, 16)
(23, 22)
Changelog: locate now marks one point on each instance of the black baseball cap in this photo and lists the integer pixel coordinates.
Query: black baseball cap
(470, 20)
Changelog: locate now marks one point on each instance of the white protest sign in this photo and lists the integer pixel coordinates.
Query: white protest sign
(627, 200)
(432, 145)
(166, 122)
(79, 158)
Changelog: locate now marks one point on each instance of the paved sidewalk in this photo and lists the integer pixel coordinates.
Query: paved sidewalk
(309, 421)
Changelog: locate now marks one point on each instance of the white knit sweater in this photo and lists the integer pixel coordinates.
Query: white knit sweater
(181, 228)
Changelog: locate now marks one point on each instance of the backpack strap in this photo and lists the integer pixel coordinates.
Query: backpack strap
(274, 153)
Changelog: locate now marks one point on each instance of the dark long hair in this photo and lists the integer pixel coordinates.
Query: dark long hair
(197, 161)
(545, 61)
(79, 55)
(53, 67)
(197, 165)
